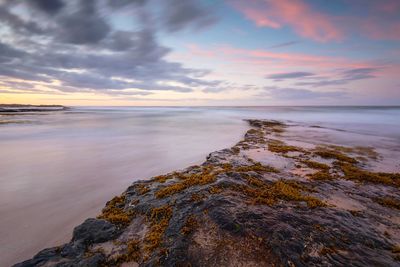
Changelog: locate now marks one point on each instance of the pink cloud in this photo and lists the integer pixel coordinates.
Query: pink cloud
(259, 62)
(376, 20)
(388, 6)
(293, 13)
(379, 31)
(277, 59)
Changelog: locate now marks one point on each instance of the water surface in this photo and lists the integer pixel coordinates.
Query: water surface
(57, 169)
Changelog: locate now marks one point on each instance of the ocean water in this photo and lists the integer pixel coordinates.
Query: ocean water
(56, 169)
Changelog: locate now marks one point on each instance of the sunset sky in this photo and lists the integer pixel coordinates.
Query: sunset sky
(200, 52)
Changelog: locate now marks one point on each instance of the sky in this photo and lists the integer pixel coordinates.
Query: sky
(200, 52)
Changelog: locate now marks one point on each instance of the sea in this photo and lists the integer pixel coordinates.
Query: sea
(59, 168)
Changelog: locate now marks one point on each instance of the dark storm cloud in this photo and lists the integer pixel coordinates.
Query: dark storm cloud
(17, 24)
(122, 40)
(121, 3)
(80, 48)
(85, 26)
(82, 28)
(8, 54)
(289, 75)
(48, 6)
(179, 14)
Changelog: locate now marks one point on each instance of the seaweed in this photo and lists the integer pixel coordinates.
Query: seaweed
(215, 190)
(162, 178)
(206, 176)
(142, 189)
(256, 167)
(333, 154)
(235, 150)
(114, 212)
(321, 176)
(328, 250)
(159, 219)
(171, 189)
(265, 123)
(254, 131)
(389, 202)
(316, 165)
(132, 254)
(261, 192)
(360, 150)
(190, 225)
(351, 172)
(278, 146)
(196, 197)
(253, 136)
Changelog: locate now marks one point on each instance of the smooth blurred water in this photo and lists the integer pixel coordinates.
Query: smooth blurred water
(56, 169)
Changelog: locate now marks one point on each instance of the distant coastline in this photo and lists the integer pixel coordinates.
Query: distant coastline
(14, 108)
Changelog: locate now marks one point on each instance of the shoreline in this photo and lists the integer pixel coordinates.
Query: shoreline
(284, 203)
(18, 108)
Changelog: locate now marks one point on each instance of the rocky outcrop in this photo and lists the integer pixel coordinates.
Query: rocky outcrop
(260, 203)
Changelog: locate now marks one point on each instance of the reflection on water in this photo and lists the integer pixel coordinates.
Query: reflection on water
(57, 169)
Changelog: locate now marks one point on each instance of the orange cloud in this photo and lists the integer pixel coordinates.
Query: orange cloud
(294, 13)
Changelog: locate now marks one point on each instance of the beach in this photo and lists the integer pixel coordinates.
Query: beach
(216, 129)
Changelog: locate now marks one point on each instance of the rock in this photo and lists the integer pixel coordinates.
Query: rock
(235, 210)
(43, 256)
(94, 231)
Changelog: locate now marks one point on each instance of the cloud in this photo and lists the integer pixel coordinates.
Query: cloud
(16, 24)
(342, 77)
(7, 53)
(225, 86)
(284, 44)
(70, 46)
(48, 6)
(85, 26)
(260, 59)
(179, 14)
(122, 3)
(359, 73)
(377, 20)
(297, 14)
(298, 94)
(176, 15)
(289, 75)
